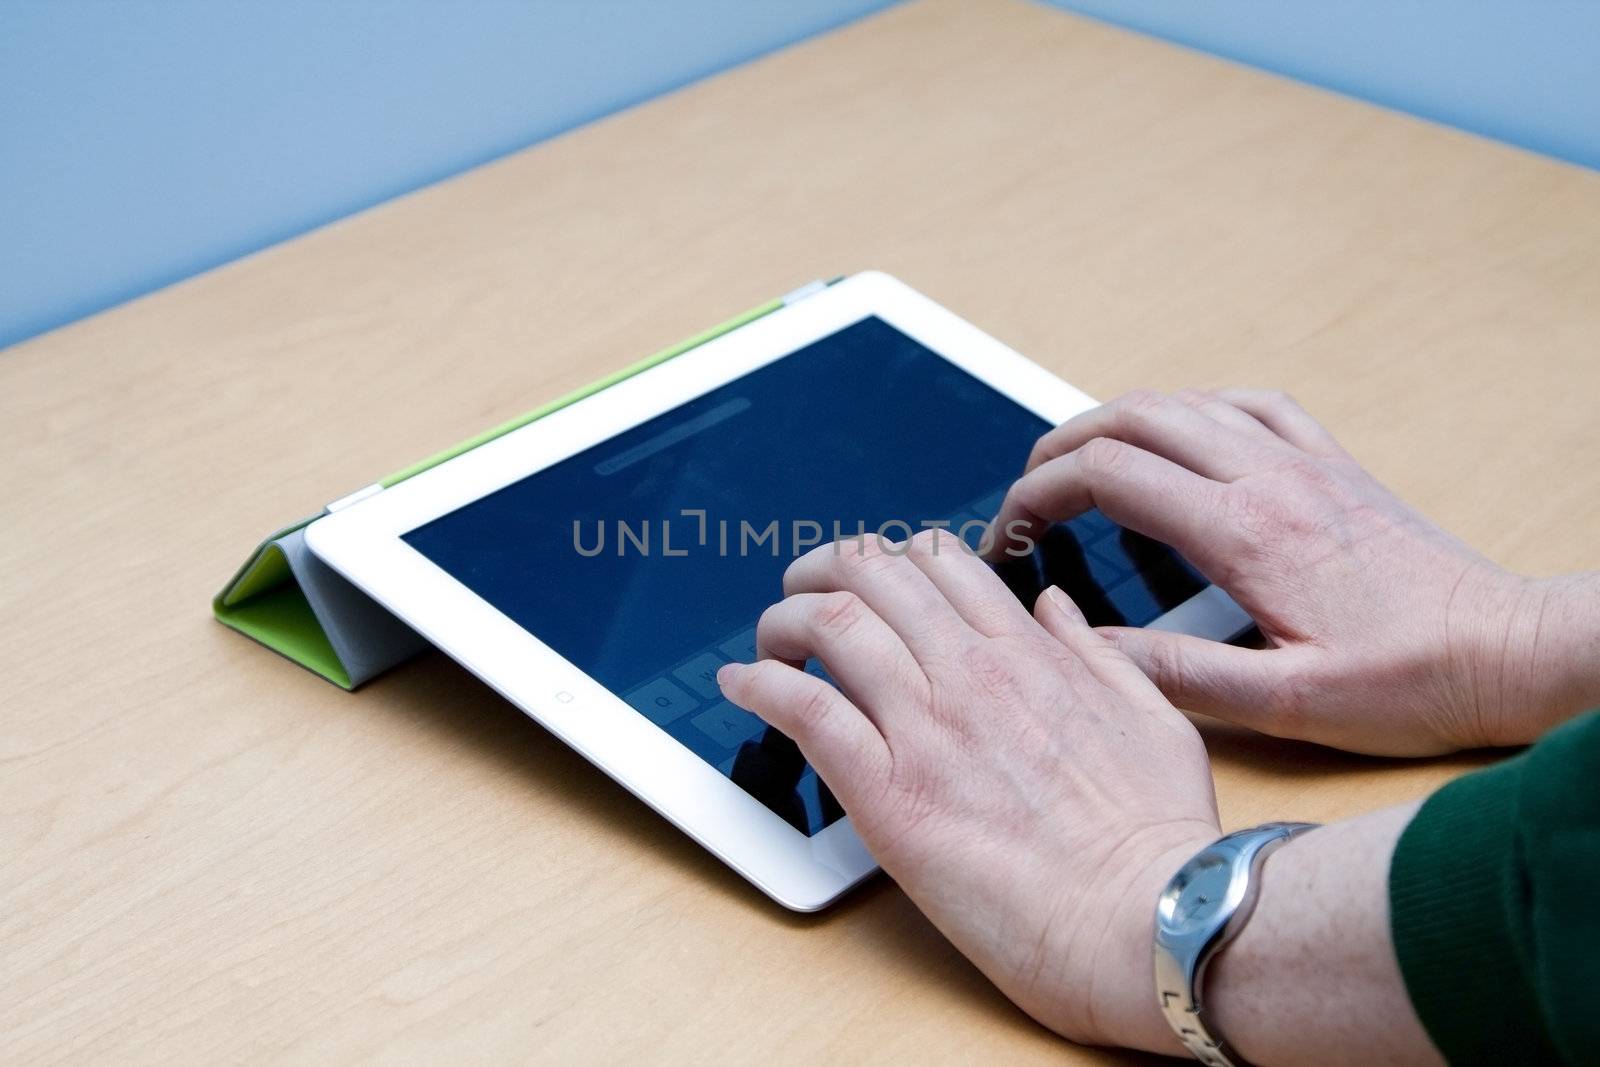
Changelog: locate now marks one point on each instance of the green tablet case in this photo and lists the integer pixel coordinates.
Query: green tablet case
(295, 604)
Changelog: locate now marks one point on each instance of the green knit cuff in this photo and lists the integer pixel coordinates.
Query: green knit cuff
(1456, 909)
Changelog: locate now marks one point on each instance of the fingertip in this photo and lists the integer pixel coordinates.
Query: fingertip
(729, 675)
(752, 686)
(1060, 617)
(1055, 600)
(1011, 535)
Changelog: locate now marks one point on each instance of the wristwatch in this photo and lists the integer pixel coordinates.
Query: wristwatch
(1203, 908)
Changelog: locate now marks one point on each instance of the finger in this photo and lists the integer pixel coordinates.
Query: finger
(868, 660)
(972, 588)
(1064, 621)
(1242, 685)
(1164, 427)
(835, 737)
(1216, 408)
(1134, 488)
(891, 585)
(1283, 415)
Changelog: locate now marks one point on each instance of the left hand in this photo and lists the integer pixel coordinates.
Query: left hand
(1019, 777)
(1387, 635)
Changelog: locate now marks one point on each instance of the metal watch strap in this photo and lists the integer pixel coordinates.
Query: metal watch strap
(1181, 958)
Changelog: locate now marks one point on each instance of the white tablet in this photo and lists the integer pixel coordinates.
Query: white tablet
(598, 565)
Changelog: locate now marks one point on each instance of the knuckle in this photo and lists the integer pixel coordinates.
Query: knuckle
(855, 549)
(858, 555)
(1284, 404)
(993, 670)
(1255, 517)
(1255, 534)
(1140, 407)
(1142, 400)
(1164, 667)
(934, 541)
(1309, 474)
(837, 613)
(1103, 456)
(812, 707)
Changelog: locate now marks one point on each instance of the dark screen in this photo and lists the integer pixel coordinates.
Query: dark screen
(646, 560)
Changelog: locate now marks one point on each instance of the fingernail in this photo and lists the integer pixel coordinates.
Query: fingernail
(726, 673)
(1060, 599)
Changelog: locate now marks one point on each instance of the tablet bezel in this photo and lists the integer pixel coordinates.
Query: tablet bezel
(364, 543)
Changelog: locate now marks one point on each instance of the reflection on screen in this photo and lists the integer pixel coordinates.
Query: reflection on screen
(642, 561)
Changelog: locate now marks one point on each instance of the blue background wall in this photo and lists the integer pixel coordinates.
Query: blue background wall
(142, 142)
(145, 141)
(1523, 71)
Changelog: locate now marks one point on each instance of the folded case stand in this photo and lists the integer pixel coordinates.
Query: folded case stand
(295, 604)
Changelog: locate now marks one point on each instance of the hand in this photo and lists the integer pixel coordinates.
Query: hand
(1019, 777)
(1388, 635)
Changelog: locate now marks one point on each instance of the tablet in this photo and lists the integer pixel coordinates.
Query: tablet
(598, 565)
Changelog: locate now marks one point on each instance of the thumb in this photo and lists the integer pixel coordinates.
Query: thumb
(1242, 685)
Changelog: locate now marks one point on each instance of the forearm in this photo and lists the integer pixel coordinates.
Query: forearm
(1313, 976)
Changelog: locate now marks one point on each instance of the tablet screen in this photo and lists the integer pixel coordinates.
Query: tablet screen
(646, 560)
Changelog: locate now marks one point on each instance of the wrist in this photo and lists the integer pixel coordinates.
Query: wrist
(1312, 977)
(1534, 658)
(1564, 662)
(1123, 1004)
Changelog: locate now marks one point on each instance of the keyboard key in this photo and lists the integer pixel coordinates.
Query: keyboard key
(661, 701)
(1093, 525)
(1132, 598)
(989, 506)
(700, 675)
(727, 725)
(741, 649)
(1109, 563)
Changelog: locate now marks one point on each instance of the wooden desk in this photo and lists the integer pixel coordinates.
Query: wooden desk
(209, 854)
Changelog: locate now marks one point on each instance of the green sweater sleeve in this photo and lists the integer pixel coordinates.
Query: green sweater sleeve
(1494, 894)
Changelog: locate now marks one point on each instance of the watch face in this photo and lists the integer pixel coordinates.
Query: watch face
(1197, 895)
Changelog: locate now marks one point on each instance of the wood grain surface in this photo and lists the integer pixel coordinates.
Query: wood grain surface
(208, 854)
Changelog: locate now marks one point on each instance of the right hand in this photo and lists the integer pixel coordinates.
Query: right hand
(1022, 780)
(1388, 635)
